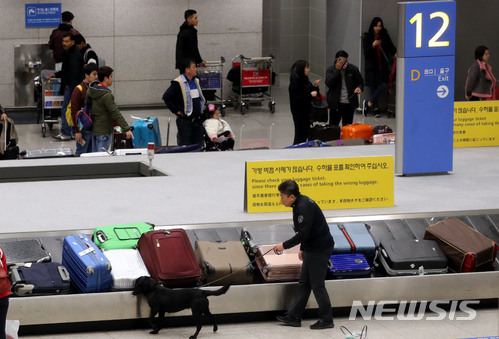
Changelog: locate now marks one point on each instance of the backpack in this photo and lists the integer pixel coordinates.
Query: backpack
(69, 117)
(84, 116)
(100, 60)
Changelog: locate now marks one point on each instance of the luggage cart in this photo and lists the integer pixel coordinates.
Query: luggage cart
(210, 79)
(49, 102)
(255, 81)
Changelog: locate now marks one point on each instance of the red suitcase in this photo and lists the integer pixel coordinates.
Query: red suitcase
(169, 257)
(356, 130)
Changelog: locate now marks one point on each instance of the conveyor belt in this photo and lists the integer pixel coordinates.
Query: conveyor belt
(98, 307)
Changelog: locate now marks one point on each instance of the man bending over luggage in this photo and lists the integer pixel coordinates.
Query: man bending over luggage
(317, 244)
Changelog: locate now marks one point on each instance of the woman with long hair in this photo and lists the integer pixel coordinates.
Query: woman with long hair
(379, 52)
(301, 93)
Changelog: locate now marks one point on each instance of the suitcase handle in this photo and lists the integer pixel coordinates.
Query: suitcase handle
(63, 272)
(101, 236)
(16, 276)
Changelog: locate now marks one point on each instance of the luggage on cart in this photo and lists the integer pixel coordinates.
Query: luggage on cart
(127, 265)
(412, 257)
(324, 132)
(278, 267)
(88, 267)
(356, 130)
(308, 144)
(353, 265)
(40, 279)
(466, 249)
(48, 153)
(385, 138)
(22, 251)
(145, 131)
(170, 258)
(319, 110)
(8, 140)
(224, 262)
(353, 238)
(120, 236)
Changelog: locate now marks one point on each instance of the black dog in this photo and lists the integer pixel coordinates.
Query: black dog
(162, 299)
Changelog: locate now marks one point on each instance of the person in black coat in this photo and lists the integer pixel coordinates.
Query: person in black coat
(187, 41)
(345, 83)
(379, 52)
(301, 93)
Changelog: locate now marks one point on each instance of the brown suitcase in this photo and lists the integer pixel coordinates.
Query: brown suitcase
(466, 249)
(224, 262)
(278, 267)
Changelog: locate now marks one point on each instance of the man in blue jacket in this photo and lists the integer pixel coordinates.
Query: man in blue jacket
(316, 246)
(185, 99)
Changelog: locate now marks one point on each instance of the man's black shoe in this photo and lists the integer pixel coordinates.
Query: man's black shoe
(290, 321)
(321, 324)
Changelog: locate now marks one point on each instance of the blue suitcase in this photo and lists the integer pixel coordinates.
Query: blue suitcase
(41, 278)
(353, 238)
(145, 131)
(353, 265)
(88, 267)
(310, 143)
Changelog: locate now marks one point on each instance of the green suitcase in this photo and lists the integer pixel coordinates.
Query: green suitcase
(124, 236)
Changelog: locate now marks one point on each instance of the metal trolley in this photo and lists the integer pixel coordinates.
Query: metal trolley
(255, 81)
(49, 102)
(210, 79)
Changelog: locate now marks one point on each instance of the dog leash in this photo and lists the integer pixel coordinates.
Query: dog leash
(240, 269)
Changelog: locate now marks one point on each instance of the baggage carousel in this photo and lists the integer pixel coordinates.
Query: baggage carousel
(48, 313)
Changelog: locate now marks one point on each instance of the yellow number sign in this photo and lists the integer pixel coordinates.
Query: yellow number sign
(333, 183)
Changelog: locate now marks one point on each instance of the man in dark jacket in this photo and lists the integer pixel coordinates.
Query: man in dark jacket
(185, 99)
(88, 54)
(187, 41)
(71, 75)
(316, 246)
(345, 83)
(55, 40)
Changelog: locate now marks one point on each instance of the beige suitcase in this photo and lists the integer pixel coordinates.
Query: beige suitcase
(278, 267)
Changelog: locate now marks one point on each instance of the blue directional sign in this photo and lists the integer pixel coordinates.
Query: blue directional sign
(42, 15)
(425, 87)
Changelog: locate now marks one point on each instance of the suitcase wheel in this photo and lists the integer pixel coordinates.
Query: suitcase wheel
(265, 270)
(150, 126)
(108, 266)
(90, 270)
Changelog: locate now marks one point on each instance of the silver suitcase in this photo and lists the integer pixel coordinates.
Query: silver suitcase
(127, 265)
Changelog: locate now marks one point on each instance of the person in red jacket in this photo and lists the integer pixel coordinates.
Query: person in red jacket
(55, 40)
(4, 298)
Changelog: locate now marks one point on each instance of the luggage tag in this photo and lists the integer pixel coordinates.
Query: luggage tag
(194, 93)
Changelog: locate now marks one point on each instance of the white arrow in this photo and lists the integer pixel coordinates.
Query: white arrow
(442, 91)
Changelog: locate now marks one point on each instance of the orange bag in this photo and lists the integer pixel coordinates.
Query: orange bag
(356, 131)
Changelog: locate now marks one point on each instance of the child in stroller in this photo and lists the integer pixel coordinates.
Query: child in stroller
(218, 131)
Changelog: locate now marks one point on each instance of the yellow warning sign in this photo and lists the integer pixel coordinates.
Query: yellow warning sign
(333, 183)
(476, 123)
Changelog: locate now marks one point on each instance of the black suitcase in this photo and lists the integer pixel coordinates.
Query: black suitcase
(40, 279)
(324, 132)
(319, 110)
(23, 251)
(411, 257)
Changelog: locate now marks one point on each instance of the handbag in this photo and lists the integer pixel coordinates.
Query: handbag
(5, 284)
(354, 335)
